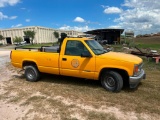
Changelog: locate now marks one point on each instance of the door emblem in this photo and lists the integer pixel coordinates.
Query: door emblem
(75, 63)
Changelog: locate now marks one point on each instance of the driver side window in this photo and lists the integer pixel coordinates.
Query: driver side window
(75, 48)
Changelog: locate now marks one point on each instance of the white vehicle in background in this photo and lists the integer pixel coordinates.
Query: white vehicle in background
(19, 43)
(103, 42)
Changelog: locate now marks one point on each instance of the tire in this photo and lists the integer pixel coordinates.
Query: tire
(32, 74)
(112, 81)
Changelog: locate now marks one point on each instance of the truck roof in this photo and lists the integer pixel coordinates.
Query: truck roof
(78, 38)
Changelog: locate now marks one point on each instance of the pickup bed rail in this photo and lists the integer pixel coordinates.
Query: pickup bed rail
(42, 48)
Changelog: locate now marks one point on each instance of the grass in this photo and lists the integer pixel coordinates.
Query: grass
(38, 45)
(148, 42)
(145, 42)
(151, 46)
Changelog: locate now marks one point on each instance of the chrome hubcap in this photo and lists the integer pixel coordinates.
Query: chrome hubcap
(110, 81)
(30, 74)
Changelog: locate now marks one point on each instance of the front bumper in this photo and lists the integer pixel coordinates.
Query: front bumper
(134, 81)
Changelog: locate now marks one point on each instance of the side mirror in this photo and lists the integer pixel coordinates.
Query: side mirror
(86, 54)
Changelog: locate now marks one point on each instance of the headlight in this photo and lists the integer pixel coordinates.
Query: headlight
(137, 70)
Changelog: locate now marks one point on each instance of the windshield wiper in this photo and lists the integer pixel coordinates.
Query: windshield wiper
(103, 51)
(98, 49)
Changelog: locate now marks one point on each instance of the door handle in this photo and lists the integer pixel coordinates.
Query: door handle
(64, 59)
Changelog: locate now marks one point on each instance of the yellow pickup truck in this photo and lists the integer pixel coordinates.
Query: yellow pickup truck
(83, 58)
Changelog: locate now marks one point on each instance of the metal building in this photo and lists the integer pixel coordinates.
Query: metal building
(43, 34)
(110, 35)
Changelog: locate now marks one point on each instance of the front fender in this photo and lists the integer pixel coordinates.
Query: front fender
(127, 69)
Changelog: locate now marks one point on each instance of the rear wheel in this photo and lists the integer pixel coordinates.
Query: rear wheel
(32, 73)
(112, 81)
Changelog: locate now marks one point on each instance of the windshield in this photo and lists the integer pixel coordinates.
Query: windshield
(96, 47)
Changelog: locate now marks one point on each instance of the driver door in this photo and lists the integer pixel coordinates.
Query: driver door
(72, 64)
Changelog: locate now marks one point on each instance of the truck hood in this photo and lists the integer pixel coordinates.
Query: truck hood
(121, 57)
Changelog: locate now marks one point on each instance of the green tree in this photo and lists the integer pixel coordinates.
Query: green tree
(56, 34)
(30, 34)
(17, 40)
(1, 38)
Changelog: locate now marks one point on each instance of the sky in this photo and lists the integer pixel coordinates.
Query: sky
(140, 16)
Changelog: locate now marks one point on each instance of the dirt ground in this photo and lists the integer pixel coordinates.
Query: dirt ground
(21, 100)
(7, 111)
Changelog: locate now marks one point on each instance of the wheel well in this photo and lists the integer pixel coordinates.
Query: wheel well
(123, 73)
(27, 63)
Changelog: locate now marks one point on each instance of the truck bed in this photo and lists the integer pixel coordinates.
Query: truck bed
(54, 49)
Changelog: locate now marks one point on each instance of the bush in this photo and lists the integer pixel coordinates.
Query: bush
(17, 40)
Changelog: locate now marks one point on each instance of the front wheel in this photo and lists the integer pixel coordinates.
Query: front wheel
(112, 81)
(32, 73)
